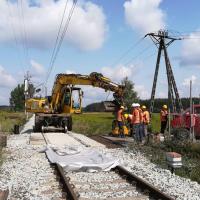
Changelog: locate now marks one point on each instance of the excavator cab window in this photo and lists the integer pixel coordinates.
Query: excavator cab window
(76, 99)
(67, 98)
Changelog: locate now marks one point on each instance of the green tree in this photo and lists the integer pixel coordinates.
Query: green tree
(130, 95)
(17, 97)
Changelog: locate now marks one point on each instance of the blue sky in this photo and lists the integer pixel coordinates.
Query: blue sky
(98, 35)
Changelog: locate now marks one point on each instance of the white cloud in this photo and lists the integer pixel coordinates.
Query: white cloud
(37, 68)
(186, 81)
(70, 72)
(142, 92)
(191, 51)
(119, 72)
(94, 94)
(6, 79)
(144, 15)
(87, 29)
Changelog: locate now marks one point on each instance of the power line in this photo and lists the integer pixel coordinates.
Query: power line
(57, 48)
(64, 32)
(60, 26)
(139, 54)
(133, 46)
(22, 33)
(25, 33)
(14, 33)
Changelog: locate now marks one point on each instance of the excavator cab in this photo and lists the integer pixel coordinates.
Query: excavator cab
(72, 100)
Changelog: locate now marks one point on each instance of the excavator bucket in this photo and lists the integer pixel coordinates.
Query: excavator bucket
(109, 106)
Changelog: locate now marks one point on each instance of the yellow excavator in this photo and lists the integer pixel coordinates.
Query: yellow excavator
(57, 109)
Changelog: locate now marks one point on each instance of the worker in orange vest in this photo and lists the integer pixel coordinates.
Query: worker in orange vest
(163, 118)
(120, 121)
(137, 122)
(146, 120)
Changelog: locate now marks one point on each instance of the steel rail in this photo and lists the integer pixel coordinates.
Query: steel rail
(140, 183)
(4, 194)
(67, 187)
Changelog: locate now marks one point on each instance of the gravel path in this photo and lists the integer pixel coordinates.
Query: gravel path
(28, 175)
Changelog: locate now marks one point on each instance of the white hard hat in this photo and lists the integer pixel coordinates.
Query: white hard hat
(134, 105)
(138, 105)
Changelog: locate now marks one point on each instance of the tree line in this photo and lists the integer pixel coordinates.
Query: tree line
(17, 99)
(130, 96)
(98, 106)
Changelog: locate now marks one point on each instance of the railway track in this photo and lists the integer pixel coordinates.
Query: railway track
(4, 194)
(117, 184)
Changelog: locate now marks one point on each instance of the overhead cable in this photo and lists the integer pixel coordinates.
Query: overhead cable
(139, 54)
(25, 33)
(59, 42)
(13, 30)
(58, 34)
(22, 32)
(133, 46)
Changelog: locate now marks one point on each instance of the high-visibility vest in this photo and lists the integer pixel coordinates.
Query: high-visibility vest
(163, 115)
(136, 116)
(141, 115)
(146, 117)
(119, 115)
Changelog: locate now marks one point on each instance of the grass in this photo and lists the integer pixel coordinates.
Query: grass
(93, 123)
(7, 122)
(101, 123)
(9, 119)
(155, 122)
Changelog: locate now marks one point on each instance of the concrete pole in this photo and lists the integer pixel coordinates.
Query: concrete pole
(191, 137)
(193, 134)
(169, 122)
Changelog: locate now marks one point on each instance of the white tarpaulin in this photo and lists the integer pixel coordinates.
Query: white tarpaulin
(80, 159)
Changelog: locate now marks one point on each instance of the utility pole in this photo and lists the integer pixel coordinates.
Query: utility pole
(162, 40)
(192, 117)
(27, 78)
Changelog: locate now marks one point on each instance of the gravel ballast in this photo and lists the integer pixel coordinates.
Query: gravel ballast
(27, 173)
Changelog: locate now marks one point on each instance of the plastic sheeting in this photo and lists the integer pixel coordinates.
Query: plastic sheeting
(80, 159)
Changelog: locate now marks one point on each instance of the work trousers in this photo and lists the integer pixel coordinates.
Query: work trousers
(144, 129)
(163, 126)
(138, 132)
(121, 129)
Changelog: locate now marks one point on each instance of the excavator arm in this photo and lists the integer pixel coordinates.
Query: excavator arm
(94, 79)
